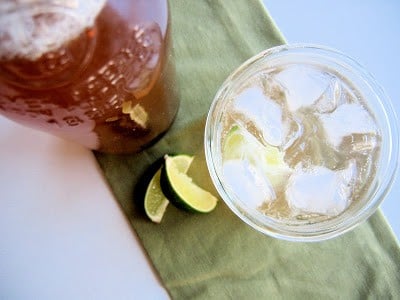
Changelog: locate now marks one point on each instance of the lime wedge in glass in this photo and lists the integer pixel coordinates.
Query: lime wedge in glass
(239, 144)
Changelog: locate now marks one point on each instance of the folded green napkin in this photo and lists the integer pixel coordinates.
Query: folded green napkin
(217, 256)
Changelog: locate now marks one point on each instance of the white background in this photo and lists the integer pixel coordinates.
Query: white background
(62, 234)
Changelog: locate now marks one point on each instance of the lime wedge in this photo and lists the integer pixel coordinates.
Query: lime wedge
(239, 144)
(155, 203)
(180, 188)
(181, 161)
(235, 144)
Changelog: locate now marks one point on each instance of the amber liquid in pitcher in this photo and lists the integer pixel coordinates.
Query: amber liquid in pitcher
(108, 85)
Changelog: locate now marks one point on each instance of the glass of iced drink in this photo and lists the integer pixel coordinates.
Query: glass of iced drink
(301, 143)
(97, 72)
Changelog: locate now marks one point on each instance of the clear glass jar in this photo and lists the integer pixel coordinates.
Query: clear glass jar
(386, 161)
(96, 72)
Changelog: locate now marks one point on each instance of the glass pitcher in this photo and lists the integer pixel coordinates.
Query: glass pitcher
(93, 71)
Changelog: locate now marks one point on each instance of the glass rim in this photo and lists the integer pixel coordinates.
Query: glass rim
(334, 226)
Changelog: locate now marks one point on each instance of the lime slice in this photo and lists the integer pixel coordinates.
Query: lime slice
(239, 144)
(155, 203)
(181, 161)
(234, 146)
(180, 188)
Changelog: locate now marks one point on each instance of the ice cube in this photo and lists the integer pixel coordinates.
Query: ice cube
(332, 97)
(347, 119)
(303, 85)
(272, 88)
(319, 190)
(361, 143)
(249, 184)
(264, 112)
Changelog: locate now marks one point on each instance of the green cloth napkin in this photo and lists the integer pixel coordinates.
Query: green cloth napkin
(217, 256)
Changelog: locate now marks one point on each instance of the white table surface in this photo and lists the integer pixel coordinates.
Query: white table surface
(63, 235)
